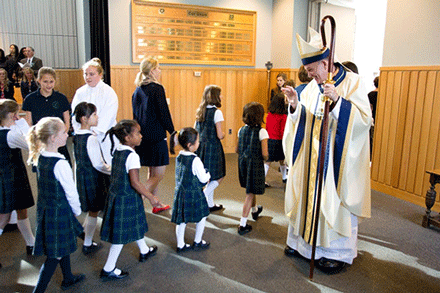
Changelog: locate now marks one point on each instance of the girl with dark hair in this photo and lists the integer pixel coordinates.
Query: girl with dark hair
(124, 218)
(92, 173)
(190, 204)
(275, 122)
(252, 151)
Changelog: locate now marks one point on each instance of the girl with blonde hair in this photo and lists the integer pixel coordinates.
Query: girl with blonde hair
(100, 94)
(58, 202)
(150, 110)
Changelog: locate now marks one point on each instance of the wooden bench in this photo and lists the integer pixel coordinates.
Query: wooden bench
(430, 200)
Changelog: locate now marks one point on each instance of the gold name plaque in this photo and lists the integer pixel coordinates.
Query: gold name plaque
(190, 34)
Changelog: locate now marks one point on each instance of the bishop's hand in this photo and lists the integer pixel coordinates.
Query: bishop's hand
(291, 95)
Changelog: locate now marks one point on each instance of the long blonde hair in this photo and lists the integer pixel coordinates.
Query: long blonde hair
(39, 135)
(144, 75)
(211, 96)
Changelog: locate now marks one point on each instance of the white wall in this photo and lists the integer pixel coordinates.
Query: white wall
(300, 17)
(120, 26)
(282, 34)
(369, 38)
(412, 33)
(345, 30)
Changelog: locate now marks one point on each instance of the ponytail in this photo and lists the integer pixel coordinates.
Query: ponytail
(173, 141)
(185, 136)
(34, 146)
(121, 130)
(39, 135)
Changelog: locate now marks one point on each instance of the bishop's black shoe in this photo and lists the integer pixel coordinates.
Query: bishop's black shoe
(330, 266)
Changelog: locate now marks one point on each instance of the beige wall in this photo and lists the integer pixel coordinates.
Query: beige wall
(412, 33)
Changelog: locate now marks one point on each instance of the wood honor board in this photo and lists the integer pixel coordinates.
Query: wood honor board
(190, 34)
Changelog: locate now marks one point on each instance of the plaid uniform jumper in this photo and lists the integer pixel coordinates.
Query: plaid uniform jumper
(210, 150)
(92, 185)
(57, 226)
(15, 190)
(124, 218)
(190, 204)
(250, 160)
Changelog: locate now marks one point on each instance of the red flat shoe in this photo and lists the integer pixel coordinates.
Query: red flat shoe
(161, 209)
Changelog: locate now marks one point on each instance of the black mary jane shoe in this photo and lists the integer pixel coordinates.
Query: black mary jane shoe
(243, 230)
(92, 248)
(215, 208)
(257, 213)
(201, 245)
(76, 279)
(111, 275)
(152, 251)
(185, 247)
(330, 266)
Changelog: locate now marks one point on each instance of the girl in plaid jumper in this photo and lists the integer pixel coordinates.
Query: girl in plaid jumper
(209, 123)
(92, 172)
(190, 204)
(58, 202)
(15, 191)
(252, 151)
(124, 218)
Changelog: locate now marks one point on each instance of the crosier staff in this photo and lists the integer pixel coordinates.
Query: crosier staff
(324, 134)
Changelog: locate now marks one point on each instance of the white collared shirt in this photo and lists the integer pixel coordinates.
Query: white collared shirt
(16, 137)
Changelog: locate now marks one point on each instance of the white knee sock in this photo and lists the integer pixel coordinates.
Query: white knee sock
(180, 235)
(283, 169)
(89, 230)
(266, 169)
(209, 192)
(143, 247)
(25, 228)
(1, 232)
(200, 227)
(112, 258)
(243, 222)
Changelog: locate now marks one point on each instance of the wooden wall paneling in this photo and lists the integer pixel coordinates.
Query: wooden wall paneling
(417, 126)
(401, 117)
(228, 108)
(433, 162)
(378, 125)
(393, 126)
(423, 155)
(408, 129)
(68, 81)
(236, 108)
(386, 126)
